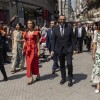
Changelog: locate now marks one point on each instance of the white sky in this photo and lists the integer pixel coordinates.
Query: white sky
(73, 1)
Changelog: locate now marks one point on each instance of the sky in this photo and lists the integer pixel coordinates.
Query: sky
(73, 3)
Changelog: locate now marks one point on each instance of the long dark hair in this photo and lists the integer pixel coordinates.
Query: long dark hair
(33, 23)
(19, 25)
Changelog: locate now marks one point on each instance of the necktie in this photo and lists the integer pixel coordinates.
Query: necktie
(51, 31)
(62, 29)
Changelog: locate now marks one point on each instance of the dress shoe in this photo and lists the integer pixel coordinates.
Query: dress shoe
(13, 72)
(31, 82)
(22, 69)
(53, 71)
(70, 83)
(38, 78)
(5, 79)
(62, 82)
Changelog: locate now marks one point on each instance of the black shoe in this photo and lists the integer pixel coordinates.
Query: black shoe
(70, 83)
(38, 78)
(5, 79)
(57, 67)
(30, 83)
(62, 81)
(13, 72)
(53, 71)
(22, 69)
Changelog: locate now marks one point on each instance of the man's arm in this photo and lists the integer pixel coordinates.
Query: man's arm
(47, 39)
(53, 41)
(73, 40)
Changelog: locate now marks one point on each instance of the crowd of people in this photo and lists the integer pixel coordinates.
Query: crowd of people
(61, 39)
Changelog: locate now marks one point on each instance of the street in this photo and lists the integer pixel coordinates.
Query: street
(48, 88)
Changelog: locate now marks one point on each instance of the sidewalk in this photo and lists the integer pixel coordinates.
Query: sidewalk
(48, 88)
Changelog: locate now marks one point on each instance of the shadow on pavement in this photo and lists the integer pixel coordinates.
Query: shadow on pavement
(40, 66)
(49, 76)
(93, 86)
(79, 77)
(14, 77)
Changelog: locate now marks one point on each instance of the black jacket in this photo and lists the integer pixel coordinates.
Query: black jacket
(0, 40)
(63, 44)
(83, 33)
(48, 39)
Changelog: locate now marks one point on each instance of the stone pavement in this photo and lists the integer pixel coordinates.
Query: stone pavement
(48, 88)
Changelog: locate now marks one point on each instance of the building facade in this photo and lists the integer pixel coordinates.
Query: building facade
(93, 10)
(81, 10)
(4, 11)
(32, 9)
(65, 8)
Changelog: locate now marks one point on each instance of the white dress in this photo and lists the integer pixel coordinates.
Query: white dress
(96, 68)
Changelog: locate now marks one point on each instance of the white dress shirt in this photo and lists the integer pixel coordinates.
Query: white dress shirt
(79, 31)
(62, 30)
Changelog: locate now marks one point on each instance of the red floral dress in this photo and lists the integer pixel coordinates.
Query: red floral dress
(31, 53)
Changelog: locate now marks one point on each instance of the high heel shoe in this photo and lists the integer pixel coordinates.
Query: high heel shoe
(31, 82)
(38, 78)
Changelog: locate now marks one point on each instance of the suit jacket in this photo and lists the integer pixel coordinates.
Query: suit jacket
(83, 33)
(48, 39)
(63, 44)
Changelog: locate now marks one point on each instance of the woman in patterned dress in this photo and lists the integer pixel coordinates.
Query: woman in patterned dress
(17, 45)
(96, 58)
(32, 51)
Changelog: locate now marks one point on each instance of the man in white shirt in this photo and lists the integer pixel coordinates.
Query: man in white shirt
(80, 34)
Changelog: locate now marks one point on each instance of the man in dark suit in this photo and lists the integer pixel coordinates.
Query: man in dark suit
(63, 42)
(48, 45)
(80, 34)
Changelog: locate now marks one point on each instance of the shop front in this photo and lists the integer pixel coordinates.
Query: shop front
(38, 10)
(4, 12)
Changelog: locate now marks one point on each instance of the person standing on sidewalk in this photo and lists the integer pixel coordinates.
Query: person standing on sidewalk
(32, 51)
(1, 60)
(17, 45)
(96, 58)
(89, 38)
(63, 43)
(80, 35)
(48, 46)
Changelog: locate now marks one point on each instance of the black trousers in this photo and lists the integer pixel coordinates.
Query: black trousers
(69, 66)
(88, 42)
(4, 53)
(80, 44)
(1, 65)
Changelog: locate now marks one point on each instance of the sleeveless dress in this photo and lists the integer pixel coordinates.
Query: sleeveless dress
(18, 58)
(96, 68)
(31, 53)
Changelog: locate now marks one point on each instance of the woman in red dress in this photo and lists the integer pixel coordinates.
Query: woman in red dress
(31, 51)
